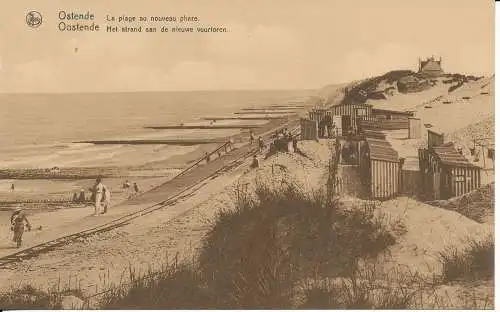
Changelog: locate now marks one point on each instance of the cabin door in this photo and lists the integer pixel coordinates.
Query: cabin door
(446, 185)
(346, 124)
(436, 184)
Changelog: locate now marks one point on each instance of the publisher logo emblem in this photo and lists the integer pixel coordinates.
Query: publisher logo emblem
(34, 19)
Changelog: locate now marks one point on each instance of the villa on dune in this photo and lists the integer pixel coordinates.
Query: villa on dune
(430, 67)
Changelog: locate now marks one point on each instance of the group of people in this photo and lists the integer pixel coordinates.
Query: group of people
(280, 140)
(101, 199)
(128, 185)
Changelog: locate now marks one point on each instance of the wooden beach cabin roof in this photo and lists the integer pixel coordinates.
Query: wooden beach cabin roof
(381, 150)
(376, 111)
(448, 155)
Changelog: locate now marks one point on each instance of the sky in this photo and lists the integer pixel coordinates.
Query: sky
(279, 44)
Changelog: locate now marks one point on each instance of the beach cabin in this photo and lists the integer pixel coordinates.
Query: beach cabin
(410, 181)
(434, 138)
(308, 129)
(379, 169)
(446, 173)
(350, 114)
(414, 128)
(329, 125)
(491, 153)
(349, 149)
(384, 119)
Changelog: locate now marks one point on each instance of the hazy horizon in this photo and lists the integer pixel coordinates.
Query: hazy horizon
(278, 45)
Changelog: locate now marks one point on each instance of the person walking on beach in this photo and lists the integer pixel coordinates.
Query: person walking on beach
(12, 187)
(261, 144)
(98, 190)
(18, 222)
(126, 185)
(252, 137)
(106, 200)
(255, 162)
(136, 187)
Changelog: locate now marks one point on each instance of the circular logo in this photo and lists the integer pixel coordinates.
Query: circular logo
(34, 19)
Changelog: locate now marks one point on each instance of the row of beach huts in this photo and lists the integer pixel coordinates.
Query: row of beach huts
(375, 169)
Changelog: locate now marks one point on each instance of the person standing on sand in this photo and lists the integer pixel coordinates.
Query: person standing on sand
(255, 162)
(81, 198)
(106, 200)
(261, 144)
(98, 190)
(18, 222)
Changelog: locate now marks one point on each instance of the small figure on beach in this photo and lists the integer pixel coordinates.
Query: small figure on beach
(106, 200)
(252, 137)
(126, 185)
(229, 145)
(255, 162)
(99, 190)
(12, 187)
(18, 222)
(207, 157)
(136, 187)
(261, 144)
(81, 198)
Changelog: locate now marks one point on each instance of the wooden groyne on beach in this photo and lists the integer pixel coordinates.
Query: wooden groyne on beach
(265, 112)
(69, 173)
(184, 142)
(31, 204)
(273, 108)
(208, 127)
(245, 118)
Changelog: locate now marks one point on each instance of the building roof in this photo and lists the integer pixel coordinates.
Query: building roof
(375, 134)
(448, 155)
(389, 111)
(381, 150)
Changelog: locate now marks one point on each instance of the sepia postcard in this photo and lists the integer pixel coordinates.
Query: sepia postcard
(237, 154)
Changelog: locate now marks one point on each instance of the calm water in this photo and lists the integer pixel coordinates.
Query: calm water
(39, 130)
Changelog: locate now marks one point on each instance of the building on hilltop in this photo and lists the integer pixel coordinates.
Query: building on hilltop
(430, 67)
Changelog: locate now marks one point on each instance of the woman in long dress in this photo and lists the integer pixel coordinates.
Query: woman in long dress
(18, 222)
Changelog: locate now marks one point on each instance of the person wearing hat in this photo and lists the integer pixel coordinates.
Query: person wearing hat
(18, 222)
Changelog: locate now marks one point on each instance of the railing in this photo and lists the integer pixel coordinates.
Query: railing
(206, 157)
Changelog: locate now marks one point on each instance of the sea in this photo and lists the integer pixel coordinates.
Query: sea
(41, 130)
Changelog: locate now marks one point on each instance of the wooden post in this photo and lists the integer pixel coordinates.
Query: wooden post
(484, 159)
